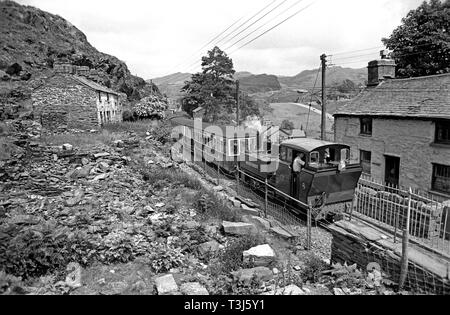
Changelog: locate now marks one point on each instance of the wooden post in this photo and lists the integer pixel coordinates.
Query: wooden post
(404, 265)
(237, 178)
(308, 230)
(323, 128)
(218, 174)
(266, 198)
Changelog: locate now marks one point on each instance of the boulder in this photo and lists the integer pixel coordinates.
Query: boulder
(291, 289)
(193, 288)
(166, 285)
(282, 233)
(260, 222)
(101, 155)
(209, 247)
(258, 273)
(100, 177)
(218, 188)
(247, 210)
(262, 255)
(103, 166)
(238, 228)
(191, 225)
(67, 147)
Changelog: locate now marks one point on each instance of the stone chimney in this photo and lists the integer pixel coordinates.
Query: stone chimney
(381, 69)
(63, 67)
(82, 71)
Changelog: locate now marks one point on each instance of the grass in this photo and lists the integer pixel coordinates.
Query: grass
(230, 258)
(299, 116)
(80, 139)
(140, 127)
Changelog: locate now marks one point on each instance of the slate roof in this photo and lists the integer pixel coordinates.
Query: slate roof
(422, 97)
(94, 85)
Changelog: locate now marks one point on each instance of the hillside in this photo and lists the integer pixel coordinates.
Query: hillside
(171, 84)
(250, 83)
(335, 76)
(33, 40)
(259, 83)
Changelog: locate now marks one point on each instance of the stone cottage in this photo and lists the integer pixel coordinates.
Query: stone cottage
(399, 129)
(69, 100)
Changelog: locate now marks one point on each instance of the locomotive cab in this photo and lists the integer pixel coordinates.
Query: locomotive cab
(328, 178)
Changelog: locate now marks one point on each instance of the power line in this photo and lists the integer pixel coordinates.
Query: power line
(235, 29)
(259, 19)
(212, 40)
(248, 20)
(394, 56)
(272, 28)
(257, 29)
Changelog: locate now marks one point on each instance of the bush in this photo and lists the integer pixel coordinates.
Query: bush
(230, 258)
(211, 207)
(314, 266)
(33, 254)
(226, 285)
(127, 115)
(164, 258)
(151, 106)
(162, 133)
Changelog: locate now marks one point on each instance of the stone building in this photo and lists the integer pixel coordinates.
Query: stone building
(69, 100)
(399, 129)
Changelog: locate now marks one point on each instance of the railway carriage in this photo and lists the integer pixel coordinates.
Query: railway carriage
(327, 181)
(222, 146)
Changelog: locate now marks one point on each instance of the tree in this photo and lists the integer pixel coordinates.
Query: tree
(150, 106)
(287, 125)
(421, 45)
(247, 107)
(347, 86)
(213, 88)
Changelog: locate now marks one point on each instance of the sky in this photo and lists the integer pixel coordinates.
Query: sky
(157, 38)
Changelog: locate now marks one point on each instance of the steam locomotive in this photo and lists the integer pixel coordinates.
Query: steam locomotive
(327, 180)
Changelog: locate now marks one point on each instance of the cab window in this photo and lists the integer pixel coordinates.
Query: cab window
(345, 155)
(289, 155)
(283, 153)
(314, 157)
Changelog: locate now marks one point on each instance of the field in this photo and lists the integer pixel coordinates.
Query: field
(299, 116)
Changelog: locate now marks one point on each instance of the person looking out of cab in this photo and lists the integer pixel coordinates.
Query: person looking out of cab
(299, 163)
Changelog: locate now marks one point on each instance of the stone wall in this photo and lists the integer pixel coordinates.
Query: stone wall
(356, 243)
(61, 103)
(410, 140)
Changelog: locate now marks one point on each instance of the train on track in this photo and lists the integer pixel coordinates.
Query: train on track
(327, 182)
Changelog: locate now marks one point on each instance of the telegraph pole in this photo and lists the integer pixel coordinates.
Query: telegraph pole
(323, 58)
(237, 102)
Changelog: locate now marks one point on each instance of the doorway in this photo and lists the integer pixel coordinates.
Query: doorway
(392, 170)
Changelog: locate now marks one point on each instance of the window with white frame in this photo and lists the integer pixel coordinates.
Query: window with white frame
(233, 147)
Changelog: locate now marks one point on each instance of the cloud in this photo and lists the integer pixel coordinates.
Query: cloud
(156, 38)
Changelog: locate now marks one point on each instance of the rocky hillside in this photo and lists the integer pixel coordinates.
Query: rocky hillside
(33, 40)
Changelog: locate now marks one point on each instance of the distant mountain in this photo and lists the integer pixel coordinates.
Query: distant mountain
(266, 83)
(242, 74)
(33, 40)
(259, 83)
(175, 78)
(335, 76)
(172, 84)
